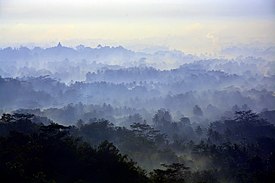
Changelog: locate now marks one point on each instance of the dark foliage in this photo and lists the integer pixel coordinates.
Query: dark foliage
(94, 152)
(50, 154)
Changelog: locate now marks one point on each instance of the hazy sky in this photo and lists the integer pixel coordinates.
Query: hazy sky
(192, 26)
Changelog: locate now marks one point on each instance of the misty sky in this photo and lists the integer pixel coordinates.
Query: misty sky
(192, 26)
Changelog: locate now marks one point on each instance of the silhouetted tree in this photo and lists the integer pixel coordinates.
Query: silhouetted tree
(176, 173)
(197, 111)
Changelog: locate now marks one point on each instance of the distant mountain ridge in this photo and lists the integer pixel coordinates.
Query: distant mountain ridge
(67, 63)
(80, 60)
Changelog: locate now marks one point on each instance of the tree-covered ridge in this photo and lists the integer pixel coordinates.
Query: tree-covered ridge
(203, 83)
(51, 154)
(35, 152)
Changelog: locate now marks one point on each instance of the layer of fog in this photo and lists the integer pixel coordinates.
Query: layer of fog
(139, 81)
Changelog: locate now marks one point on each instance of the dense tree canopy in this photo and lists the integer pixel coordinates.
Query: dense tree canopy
(98, 151)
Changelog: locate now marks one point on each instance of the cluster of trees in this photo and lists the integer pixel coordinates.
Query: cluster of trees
(48, 93)
(99, 151)
(178, 90)
(38, 153)
(68, 64)
(180, 117)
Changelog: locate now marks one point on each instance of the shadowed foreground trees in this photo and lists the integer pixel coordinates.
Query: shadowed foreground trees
(51, 155)
(175, 172)
(33, 152)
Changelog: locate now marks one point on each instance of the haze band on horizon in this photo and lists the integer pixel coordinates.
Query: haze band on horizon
(196, 27)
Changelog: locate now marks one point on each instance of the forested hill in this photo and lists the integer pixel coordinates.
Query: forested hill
(109, 114)
(34, 149)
